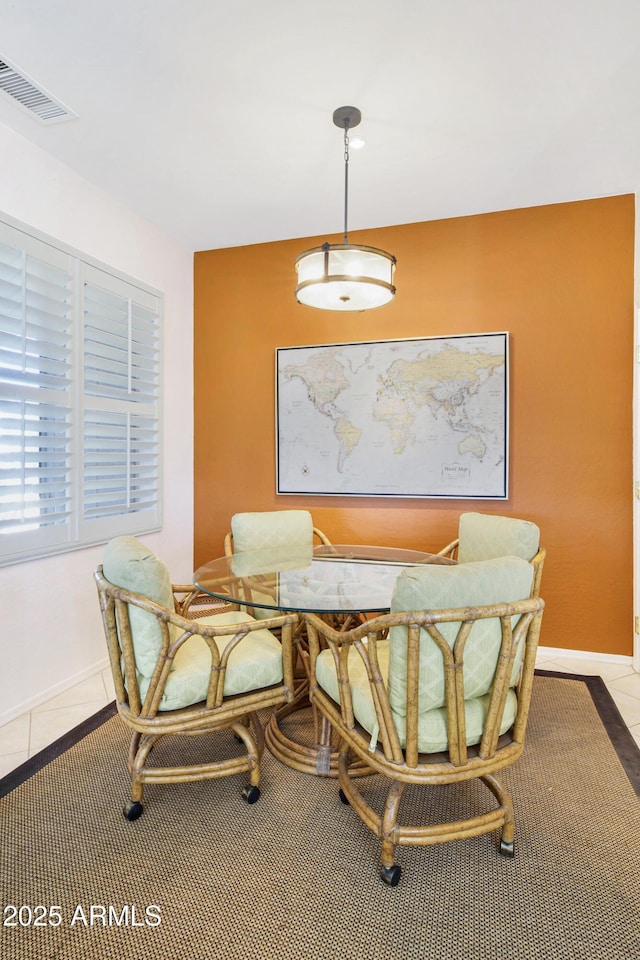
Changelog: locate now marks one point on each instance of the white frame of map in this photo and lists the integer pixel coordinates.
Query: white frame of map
(453, 479)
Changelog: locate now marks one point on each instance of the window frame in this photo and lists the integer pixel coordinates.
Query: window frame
(138, 517)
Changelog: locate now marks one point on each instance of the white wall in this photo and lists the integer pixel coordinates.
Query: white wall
(51, 634)
(636, 443)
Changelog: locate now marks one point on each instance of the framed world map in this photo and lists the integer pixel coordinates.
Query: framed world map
(394, 418)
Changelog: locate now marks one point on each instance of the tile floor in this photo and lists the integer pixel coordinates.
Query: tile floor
(23, 737)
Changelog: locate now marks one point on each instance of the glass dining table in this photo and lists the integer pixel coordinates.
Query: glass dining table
(340, 582)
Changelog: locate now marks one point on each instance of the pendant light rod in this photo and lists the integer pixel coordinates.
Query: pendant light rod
(345, 239)
(346, 118)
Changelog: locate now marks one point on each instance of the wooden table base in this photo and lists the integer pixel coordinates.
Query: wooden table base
(319, 757)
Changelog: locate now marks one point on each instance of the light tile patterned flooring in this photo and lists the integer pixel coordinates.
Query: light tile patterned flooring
(25, 736)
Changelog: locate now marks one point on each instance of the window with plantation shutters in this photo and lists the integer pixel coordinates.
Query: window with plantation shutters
(79, 400)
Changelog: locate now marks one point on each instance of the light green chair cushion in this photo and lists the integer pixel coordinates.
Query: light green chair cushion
(254, 664)
(279, 561)
(433, 587)
(270, 529)
(484, 537)
(432, 726)
(275, 528)
(271, 560)
(360, 689)
(129, 564)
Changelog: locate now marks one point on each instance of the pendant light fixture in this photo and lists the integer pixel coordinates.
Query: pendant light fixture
(345, 276)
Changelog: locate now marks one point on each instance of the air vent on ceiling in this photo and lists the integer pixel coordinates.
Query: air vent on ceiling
(33, 98)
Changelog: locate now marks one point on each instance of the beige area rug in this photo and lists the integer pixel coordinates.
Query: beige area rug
(203, 876)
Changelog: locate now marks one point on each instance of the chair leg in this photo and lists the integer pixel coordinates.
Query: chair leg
(390, 871)
(252, 736)
(500, 792)
(383, 826)
(258, 733)
(507, 843)
(245, 722)
(139, 750)
(133, 751)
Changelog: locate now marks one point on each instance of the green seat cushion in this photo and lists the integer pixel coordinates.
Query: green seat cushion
(484, 537)
(129, 564)
(363, 707)
(271, 560)
(434, 587)
(254, 664)
(432, 725)
(262, 613)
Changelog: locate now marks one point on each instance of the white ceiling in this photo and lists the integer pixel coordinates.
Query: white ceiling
(213, 118)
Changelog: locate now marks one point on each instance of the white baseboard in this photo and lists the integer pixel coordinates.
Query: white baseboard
(554, 653)
(27, 705)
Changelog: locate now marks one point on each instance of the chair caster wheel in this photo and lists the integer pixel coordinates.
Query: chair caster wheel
(132, 810)
(391, 875)
(251, 794)
(343, 797)
(507, 849)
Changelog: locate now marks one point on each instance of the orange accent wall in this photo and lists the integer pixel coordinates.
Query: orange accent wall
(559, 278)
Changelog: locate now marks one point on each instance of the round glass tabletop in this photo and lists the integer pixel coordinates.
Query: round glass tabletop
(329, 578)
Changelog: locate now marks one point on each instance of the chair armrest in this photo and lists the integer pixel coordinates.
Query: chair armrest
(322, 537)
(364, 639)
(184, 595)
(115, 602)
(451, 550)
(537, 563)
(193, 603)
(191, 627)
(376, 625)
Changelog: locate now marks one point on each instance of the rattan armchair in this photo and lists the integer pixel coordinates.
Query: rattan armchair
(435, 692)
(174, 675)
(483, 536)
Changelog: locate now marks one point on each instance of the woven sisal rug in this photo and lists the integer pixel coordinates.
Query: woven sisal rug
(203, 876)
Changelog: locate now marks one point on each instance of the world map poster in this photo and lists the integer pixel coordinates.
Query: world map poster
(394, 418)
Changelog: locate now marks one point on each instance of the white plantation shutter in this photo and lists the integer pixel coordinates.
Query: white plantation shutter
(121, 453)
(79, 400)
(120, 464)
(36, 352)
